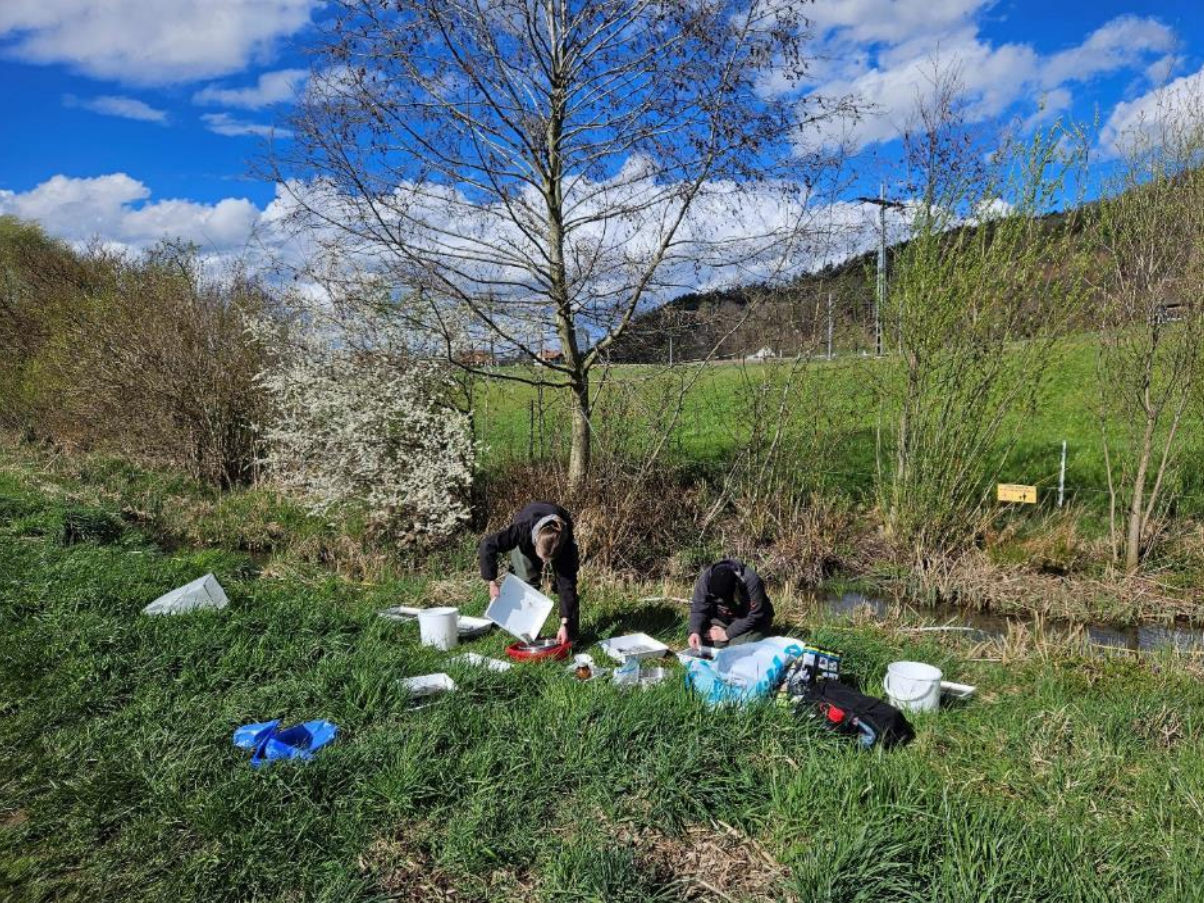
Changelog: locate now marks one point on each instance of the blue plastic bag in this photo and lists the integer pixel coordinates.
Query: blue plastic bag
(738, 674)
(269, 741)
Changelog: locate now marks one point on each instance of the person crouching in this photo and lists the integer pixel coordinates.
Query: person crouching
(541, 536)
(729, 607)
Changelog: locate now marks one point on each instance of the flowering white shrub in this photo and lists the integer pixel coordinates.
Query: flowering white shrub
(369, 429)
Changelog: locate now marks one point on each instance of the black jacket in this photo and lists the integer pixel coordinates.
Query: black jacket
(565, 565)
(745, 608)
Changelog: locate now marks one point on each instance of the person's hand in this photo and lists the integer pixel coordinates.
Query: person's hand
(718, 635)
(695, 642)
(562, 635)
(494, 590)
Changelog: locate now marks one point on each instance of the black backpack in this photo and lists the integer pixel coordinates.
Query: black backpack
(850, 712)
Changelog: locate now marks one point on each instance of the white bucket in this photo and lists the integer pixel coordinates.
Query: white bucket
(439, 627)
(913, 686)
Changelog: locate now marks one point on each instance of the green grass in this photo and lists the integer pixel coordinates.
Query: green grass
(833, 424)
(1068, 779)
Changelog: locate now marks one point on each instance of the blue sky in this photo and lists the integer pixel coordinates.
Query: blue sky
(133, 120)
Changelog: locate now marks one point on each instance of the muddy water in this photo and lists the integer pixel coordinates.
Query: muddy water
(1141, 638)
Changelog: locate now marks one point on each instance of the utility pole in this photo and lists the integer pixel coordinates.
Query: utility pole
(880, 301)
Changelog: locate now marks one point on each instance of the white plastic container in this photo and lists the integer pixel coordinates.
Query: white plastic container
(476, 660)
(470, 627)
(428, 684)
(205, 592)
(439, 627)
(633, 645)
(913, 686)
(520, 609)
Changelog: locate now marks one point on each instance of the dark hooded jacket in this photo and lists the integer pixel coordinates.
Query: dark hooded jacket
(565, 564)
(730, 591)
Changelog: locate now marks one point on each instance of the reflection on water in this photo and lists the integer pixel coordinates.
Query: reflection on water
(985, 625)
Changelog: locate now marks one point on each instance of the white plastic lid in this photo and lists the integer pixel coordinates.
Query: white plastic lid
(519, 609)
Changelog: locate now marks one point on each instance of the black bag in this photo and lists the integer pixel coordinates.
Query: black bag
(850, 712)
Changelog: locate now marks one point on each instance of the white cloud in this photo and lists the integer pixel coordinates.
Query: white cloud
(272, 88)
(149, 41)
(111, 105)
(117, 209)
(1139, 119)
(225, 124)
(884, 51)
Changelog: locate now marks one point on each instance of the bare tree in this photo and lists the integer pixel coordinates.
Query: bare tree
(1150, 283)
(531, 173)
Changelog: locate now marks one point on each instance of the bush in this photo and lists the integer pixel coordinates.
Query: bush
(144, 356)
(371, 429)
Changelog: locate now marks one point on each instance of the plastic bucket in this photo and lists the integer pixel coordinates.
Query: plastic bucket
(439, 627)
(913, 686)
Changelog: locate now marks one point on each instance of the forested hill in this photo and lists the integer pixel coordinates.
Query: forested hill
(785, 320)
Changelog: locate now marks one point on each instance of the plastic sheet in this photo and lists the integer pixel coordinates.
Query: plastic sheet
(742, 673)
(269, 741)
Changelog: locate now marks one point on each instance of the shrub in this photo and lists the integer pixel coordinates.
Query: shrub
(370, 429)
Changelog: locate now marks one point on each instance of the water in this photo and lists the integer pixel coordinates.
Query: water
(984, 625)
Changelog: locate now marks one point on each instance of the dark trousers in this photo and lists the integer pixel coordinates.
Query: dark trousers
(751, 637)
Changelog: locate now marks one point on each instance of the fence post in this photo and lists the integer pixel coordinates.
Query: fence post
(530, 429)
(1062, 476)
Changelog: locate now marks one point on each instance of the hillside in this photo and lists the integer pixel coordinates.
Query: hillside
(788, 320)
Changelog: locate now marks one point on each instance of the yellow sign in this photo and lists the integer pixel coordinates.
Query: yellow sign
(1015, 492)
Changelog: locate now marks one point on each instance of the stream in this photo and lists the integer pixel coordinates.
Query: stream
(1139, 638)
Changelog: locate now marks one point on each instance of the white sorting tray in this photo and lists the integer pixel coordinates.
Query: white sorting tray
(957, 691)
(428, 684)
(475, 660)
(519, 609)
(634, 645)
(400, 613)
(470, 627)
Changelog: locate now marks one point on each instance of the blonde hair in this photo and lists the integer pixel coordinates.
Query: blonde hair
(548, 540)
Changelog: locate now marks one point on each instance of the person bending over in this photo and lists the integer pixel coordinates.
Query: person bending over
(729, 606)
(541, 536)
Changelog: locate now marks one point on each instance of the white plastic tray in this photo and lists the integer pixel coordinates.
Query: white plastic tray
(400, 613)
(204, 592)
(429, 684)
(957, 691)
(634, 645)
(474, 660)
(470, 627)
(519, 609)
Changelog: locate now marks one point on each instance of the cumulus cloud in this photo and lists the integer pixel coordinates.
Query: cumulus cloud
(112, 105)
(117, 209)
(149, 41)
(281, 86)
(1180, 101)
(225, 124)
(884, 53)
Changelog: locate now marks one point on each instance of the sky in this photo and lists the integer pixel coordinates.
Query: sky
(137, 120)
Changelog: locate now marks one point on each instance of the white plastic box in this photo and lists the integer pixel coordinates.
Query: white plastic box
(520, 609)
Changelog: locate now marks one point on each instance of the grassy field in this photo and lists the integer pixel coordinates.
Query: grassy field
(832, 418)
(1069, 778)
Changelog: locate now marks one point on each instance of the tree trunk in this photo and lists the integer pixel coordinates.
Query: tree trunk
(580, 451)
(1136, 525)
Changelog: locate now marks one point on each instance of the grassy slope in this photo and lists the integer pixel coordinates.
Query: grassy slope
(713, 423)
(1070, 779)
